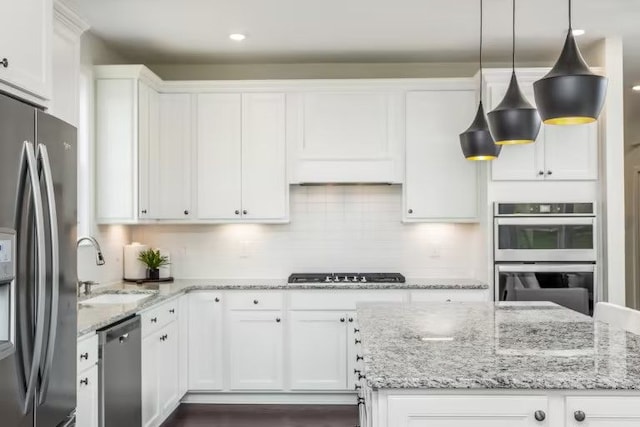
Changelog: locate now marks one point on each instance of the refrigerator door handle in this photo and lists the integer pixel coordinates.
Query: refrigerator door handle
(43, 160)
(29, 169)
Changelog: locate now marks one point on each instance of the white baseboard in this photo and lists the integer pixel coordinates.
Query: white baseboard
(346, 398)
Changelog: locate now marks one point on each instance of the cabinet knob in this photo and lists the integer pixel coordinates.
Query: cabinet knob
(84, 381)
(278, 319)
(350, 319)
(217, 299)
(186, 212)
(144, 211)
(540, 173)
(410, 211)
(5, 62)
(172, 311)
(549, 172)
(357, 341)
(84, 356)
(342, 319)
(255, 301)
(154, 320)
(237, 212)
(244, 212)
(579, 416)
(540, 415)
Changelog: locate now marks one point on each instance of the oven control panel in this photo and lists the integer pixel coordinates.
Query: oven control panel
(7, 255)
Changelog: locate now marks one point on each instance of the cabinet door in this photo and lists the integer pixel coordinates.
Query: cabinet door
(571, 152)
(151, 371)
(318, 350)
(256, 350)
(601, 411)
(354, 352)
(465, 411)
(168, 383)
(87, 402)
(205, 341)
(264, 183)
(440, 182)
(25, 41)
(523, 162)
(170, 161)
(148, 133)
(116, 179)
(219, 140)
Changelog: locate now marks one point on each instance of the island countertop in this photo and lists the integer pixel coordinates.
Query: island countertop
(494, 346)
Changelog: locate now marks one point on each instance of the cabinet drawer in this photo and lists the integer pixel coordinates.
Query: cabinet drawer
(254, 300)
(450, 295)
(602, 410)
(156, 317)
(87, 352)
(341, 299)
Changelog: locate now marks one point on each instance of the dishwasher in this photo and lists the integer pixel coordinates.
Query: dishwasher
(120, 382)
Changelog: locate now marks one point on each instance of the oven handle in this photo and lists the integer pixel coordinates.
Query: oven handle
(546, 221)
(545, 268)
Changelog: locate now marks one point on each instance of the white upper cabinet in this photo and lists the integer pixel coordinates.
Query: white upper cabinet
(440, 185)
(264, 179)
(346, 136)
(219, 160)
(170, 161)
(25, 48)
(241, 160)
(559, 153)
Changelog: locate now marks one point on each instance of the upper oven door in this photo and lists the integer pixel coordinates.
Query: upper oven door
(545, 239)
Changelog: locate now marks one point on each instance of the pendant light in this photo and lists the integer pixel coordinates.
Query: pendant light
(570, 94)
(514, 120)
(476, 141)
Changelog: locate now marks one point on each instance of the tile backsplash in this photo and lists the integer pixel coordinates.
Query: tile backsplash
(333, 228)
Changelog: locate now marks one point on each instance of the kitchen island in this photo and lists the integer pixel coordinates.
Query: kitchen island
(495, 364)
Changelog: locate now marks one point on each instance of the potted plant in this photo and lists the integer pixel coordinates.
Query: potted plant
(153, 260)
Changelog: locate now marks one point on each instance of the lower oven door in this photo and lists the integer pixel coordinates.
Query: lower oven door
(542, 239)
(569, 285)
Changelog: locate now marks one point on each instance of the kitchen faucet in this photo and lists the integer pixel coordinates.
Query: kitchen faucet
(99, 261)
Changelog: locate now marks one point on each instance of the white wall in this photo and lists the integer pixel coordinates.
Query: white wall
(94, 51)
(333, 229)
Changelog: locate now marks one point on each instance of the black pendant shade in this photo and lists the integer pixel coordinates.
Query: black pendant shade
(514, 120)
(570, 93)
(477, 142)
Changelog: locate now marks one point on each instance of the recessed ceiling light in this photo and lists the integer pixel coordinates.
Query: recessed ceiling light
(636, 88)
(578, 32)
(237, 37)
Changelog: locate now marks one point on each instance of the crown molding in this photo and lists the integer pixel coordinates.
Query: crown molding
(66, 15)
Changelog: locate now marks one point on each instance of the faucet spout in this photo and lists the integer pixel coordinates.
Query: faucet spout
(96, 245)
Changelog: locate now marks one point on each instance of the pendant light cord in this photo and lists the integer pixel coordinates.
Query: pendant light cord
(481, 14)
(570, 17)
(513, 36)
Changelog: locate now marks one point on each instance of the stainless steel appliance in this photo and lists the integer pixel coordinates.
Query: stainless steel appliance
(37, 267)
(119, 378)
(546, 252)
(346, 278)
(545, 232)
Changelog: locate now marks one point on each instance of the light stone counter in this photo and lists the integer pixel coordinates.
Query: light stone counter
(493, 346)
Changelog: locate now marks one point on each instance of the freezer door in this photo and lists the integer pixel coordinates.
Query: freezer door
(17, 125)
(57, 166)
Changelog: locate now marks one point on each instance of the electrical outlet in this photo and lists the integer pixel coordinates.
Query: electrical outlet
(245, 248)
(435, 253)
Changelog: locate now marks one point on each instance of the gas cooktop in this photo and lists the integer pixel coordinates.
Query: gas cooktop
(346, 278)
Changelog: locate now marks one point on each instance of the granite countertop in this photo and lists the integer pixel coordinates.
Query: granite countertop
(494, 346)
(95, 316)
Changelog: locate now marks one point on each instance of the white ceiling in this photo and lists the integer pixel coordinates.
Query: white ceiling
(196, 31)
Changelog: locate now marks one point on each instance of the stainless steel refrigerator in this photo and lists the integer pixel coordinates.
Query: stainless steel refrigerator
(38, 305)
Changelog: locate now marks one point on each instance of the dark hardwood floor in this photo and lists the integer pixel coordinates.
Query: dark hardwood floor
(190, 415)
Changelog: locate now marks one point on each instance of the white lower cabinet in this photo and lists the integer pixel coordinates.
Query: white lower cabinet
(256, 349)
(87, 400)
(160, 370)
(599, 411)
(205, 341)
(318, 351)
(466, 411)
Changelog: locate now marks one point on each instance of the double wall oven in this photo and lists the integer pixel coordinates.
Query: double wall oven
(546, 252)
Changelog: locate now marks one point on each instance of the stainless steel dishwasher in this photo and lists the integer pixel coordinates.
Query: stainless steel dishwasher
(120, 381)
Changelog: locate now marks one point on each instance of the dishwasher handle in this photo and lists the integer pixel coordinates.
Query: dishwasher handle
(120, 331)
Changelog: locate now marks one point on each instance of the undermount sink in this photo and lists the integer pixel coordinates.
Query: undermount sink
(116, 299)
